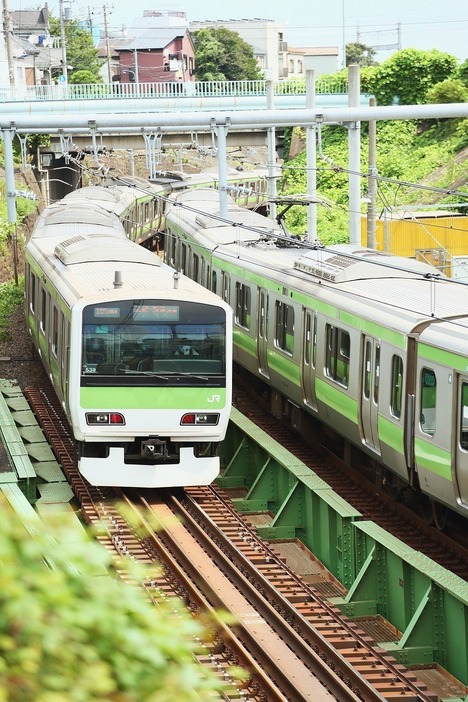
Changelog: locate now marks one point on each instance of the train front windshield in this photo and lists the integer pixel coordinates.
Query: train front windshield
(153, 340)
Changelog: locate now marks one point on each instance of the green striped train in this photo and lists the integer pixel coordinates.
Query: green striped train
(139, 356)
(374, 346)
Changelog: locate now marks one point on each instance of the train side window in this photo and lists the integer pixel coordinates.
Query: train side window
(55, 330)
(183, 258)
(262, 315)
(243, 305)
(463, 429)
(396, 386)
(367, 369)
(376, 374)
(214, 282)
(225, 287)
(208, 276)
(337, 354)
(284, 337)
(427, 418)
(172, 248)
(310, 339)
(32, 293)
(195, 267)
(43, 310)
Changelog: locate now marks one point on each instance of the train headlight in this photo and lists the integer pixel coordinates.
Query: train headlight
(94, 418)
(210, 420)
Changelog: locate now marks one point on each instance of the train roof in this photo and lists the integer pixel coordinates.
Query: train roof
(201, 207)
(381, 283)
(114, 198)
(85, 268)
(68, 219)
(345, 262)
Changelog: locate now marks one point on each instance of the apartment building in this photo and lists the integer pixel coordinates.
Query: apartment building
(276, 59)
(265, 36)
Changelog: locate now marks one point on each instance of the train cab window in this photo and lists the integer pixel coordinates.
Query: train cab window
(337, 354)
(396, 386)
(428, 399)
(463, 428)
(152, 339)
(243, 305)
(284, 336)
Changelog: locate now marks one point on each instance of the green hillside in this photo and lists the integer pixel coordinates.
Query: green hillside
(418, 163)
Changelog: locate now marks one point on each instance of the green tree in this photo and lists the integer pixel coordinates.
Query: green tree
(447, 91)
(462, 72)
(82, 55)
(360, 54)
(221, 54)
(69, 633)
(406, 76)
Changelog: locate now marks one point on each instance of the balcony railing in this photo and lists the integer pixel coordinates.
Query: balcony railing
(203, 89)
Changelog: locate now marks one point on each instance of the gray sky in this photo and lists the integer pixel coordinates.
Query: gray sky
(436, 24)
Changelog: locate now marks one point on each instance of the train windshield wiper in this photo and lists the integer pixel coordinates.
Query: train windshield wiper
(185, 374)
(152, 374)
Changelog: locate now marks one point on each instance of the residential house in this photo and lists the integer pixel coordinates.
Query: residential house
(158, 48)
(323, 60)
(36, 53)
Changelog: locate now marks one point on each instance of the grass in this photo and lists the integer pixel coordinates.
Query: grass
(11, 296)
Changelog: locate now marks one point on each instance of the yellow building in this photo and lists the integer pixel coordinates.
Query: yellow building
(438, 237)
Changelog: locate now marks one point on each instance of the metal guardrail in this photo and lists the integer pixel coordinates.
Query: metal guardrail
(384, 577)
(202, 89)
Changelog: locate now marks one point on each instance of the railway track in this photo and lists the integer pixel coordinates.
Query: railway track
(235, 570)
(449, 550)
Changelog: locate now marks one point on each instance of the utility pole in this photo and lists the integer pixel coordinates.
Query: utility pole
(135, 61)
(106, 34)
(64, 44)
(343, 39)
(7, 31)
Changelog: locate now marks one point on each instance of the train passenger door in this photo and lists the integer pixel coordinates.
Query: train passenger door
(461, 447)
(370, 380)
(262, 332)
(309, 350)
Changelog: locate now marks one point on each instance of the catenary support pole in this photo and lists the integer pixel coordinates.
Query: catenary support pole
(354, 157)
(8, 136)
(311, 160)
(222, 169)
(372, 182)
(271, 150)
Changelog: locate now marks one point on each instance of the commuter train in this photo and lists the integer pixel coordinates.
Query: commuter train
(139, 356)
(141, 204)
(374, 346)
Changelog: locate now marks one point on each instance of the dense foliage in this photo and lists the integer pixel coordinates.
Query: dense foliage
(82, 55)
(221, 54)
(407, 151)
(11, 296)
(71, 633)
